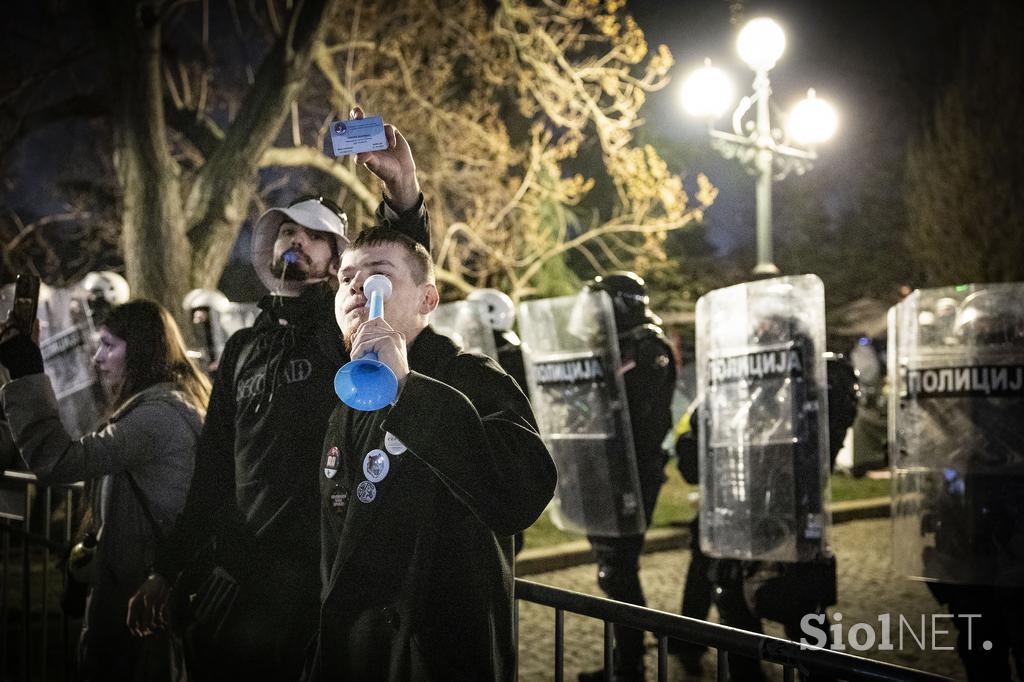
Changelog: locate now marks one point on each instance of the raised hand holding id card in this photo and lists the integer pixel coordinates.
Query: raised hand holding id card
(356, 136)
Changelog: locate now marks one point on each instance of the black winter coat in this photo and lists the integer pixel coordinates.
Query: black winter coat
(417, 562)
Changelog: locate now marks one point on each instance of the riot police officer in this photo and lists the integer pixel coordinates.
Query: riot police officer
(105, 289)
(746, 591)
(959, 449)
(649, 374)
(763, 453)
(502, 314)
(204, 307)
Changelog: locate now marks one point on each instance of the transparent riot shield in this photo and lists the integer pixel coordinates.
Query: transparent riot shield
(763, 431)
(67, 340)
(574, 372)
(956, 434)
(468, 324)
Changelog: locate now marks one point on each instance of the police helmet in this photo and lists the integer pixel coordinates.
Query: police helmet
(107, 286)
(205, 298)
(990, 317)
(774, 329)
(629, 297)
(500, 309)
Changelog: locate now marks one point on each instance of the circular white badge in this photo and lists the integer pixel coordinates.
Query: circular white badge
(392, 444)
(376, 466)
(366, 492)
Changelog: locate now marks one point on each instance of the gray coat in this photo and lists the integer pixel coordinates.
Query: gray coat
(152, 437)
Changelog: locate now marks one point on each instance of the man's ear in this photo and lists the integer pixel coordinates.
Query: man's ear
(430, 299)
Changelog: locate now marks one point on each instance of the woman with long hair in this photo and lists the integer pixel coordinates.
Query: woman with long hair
(138, 463)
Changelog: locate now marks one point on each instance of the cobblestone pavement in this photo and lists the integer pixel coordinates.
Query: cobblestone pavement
(866, 590)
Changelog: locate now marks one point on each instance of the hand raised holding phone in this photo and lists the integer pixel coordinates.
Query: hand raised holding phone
(19, 335)
(26, 303)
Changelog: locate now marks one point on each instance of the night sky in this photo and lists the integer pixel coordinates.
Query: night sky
(855, 54)
(879, 63)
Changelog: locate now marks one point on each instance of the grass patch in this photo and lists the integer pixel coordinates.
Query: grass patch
(674, 507)
(849, 488)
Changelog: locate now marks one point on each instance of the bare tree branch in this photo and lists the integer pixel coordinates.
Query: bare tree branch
(307, 157)
(221, 192)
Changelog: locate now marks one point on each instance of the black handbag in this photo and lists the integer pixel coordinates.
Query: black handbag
(205, 594)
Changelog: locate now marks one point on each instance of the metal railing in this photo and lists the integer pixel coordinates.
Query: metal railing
(725, 640)
(27, 523)
(27, 528)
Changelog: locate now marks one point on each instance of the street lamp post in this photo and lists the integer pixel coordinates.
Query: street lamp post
(767, 152)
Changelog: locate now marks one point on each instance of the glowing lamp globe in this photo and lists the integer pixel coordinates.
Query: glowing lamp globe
(707, 92)
(812, 121)
(761, 42)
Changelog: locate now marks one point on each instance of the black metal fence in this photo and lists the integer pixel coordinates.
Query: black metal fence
(725, 640)
(36, 523)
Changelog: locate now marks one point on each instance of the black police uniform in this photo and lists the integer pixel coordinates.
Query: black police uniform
(650, 375)
(698, 588)
(979, 530)
(419, 502)
(510, 356)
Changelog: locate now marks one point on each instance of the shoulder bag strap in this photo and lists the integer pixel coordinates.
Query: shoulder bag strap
(145, 507)
(157, 531)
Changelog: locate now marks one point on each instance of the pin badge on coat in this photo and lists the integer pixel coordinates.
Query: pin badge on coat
(366, 492)
(393, 445)
(376, 466)
(331, 465)
(339, 498)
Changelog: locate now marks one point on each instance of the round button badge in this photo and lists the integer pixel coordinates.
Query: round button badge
(376, 466)
(392, 444)
(366, 492)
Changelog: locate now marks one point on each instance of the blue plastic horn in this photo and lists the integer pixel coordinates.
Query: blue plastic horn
(367, 384)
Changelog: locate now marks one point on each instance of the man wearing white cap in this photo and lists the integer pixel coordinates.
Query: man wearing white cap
(254, 488)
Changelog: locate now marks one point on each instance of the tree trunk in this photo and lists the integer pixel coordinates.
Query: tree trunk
(219, 199)
(171, 244)
(153, 240)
